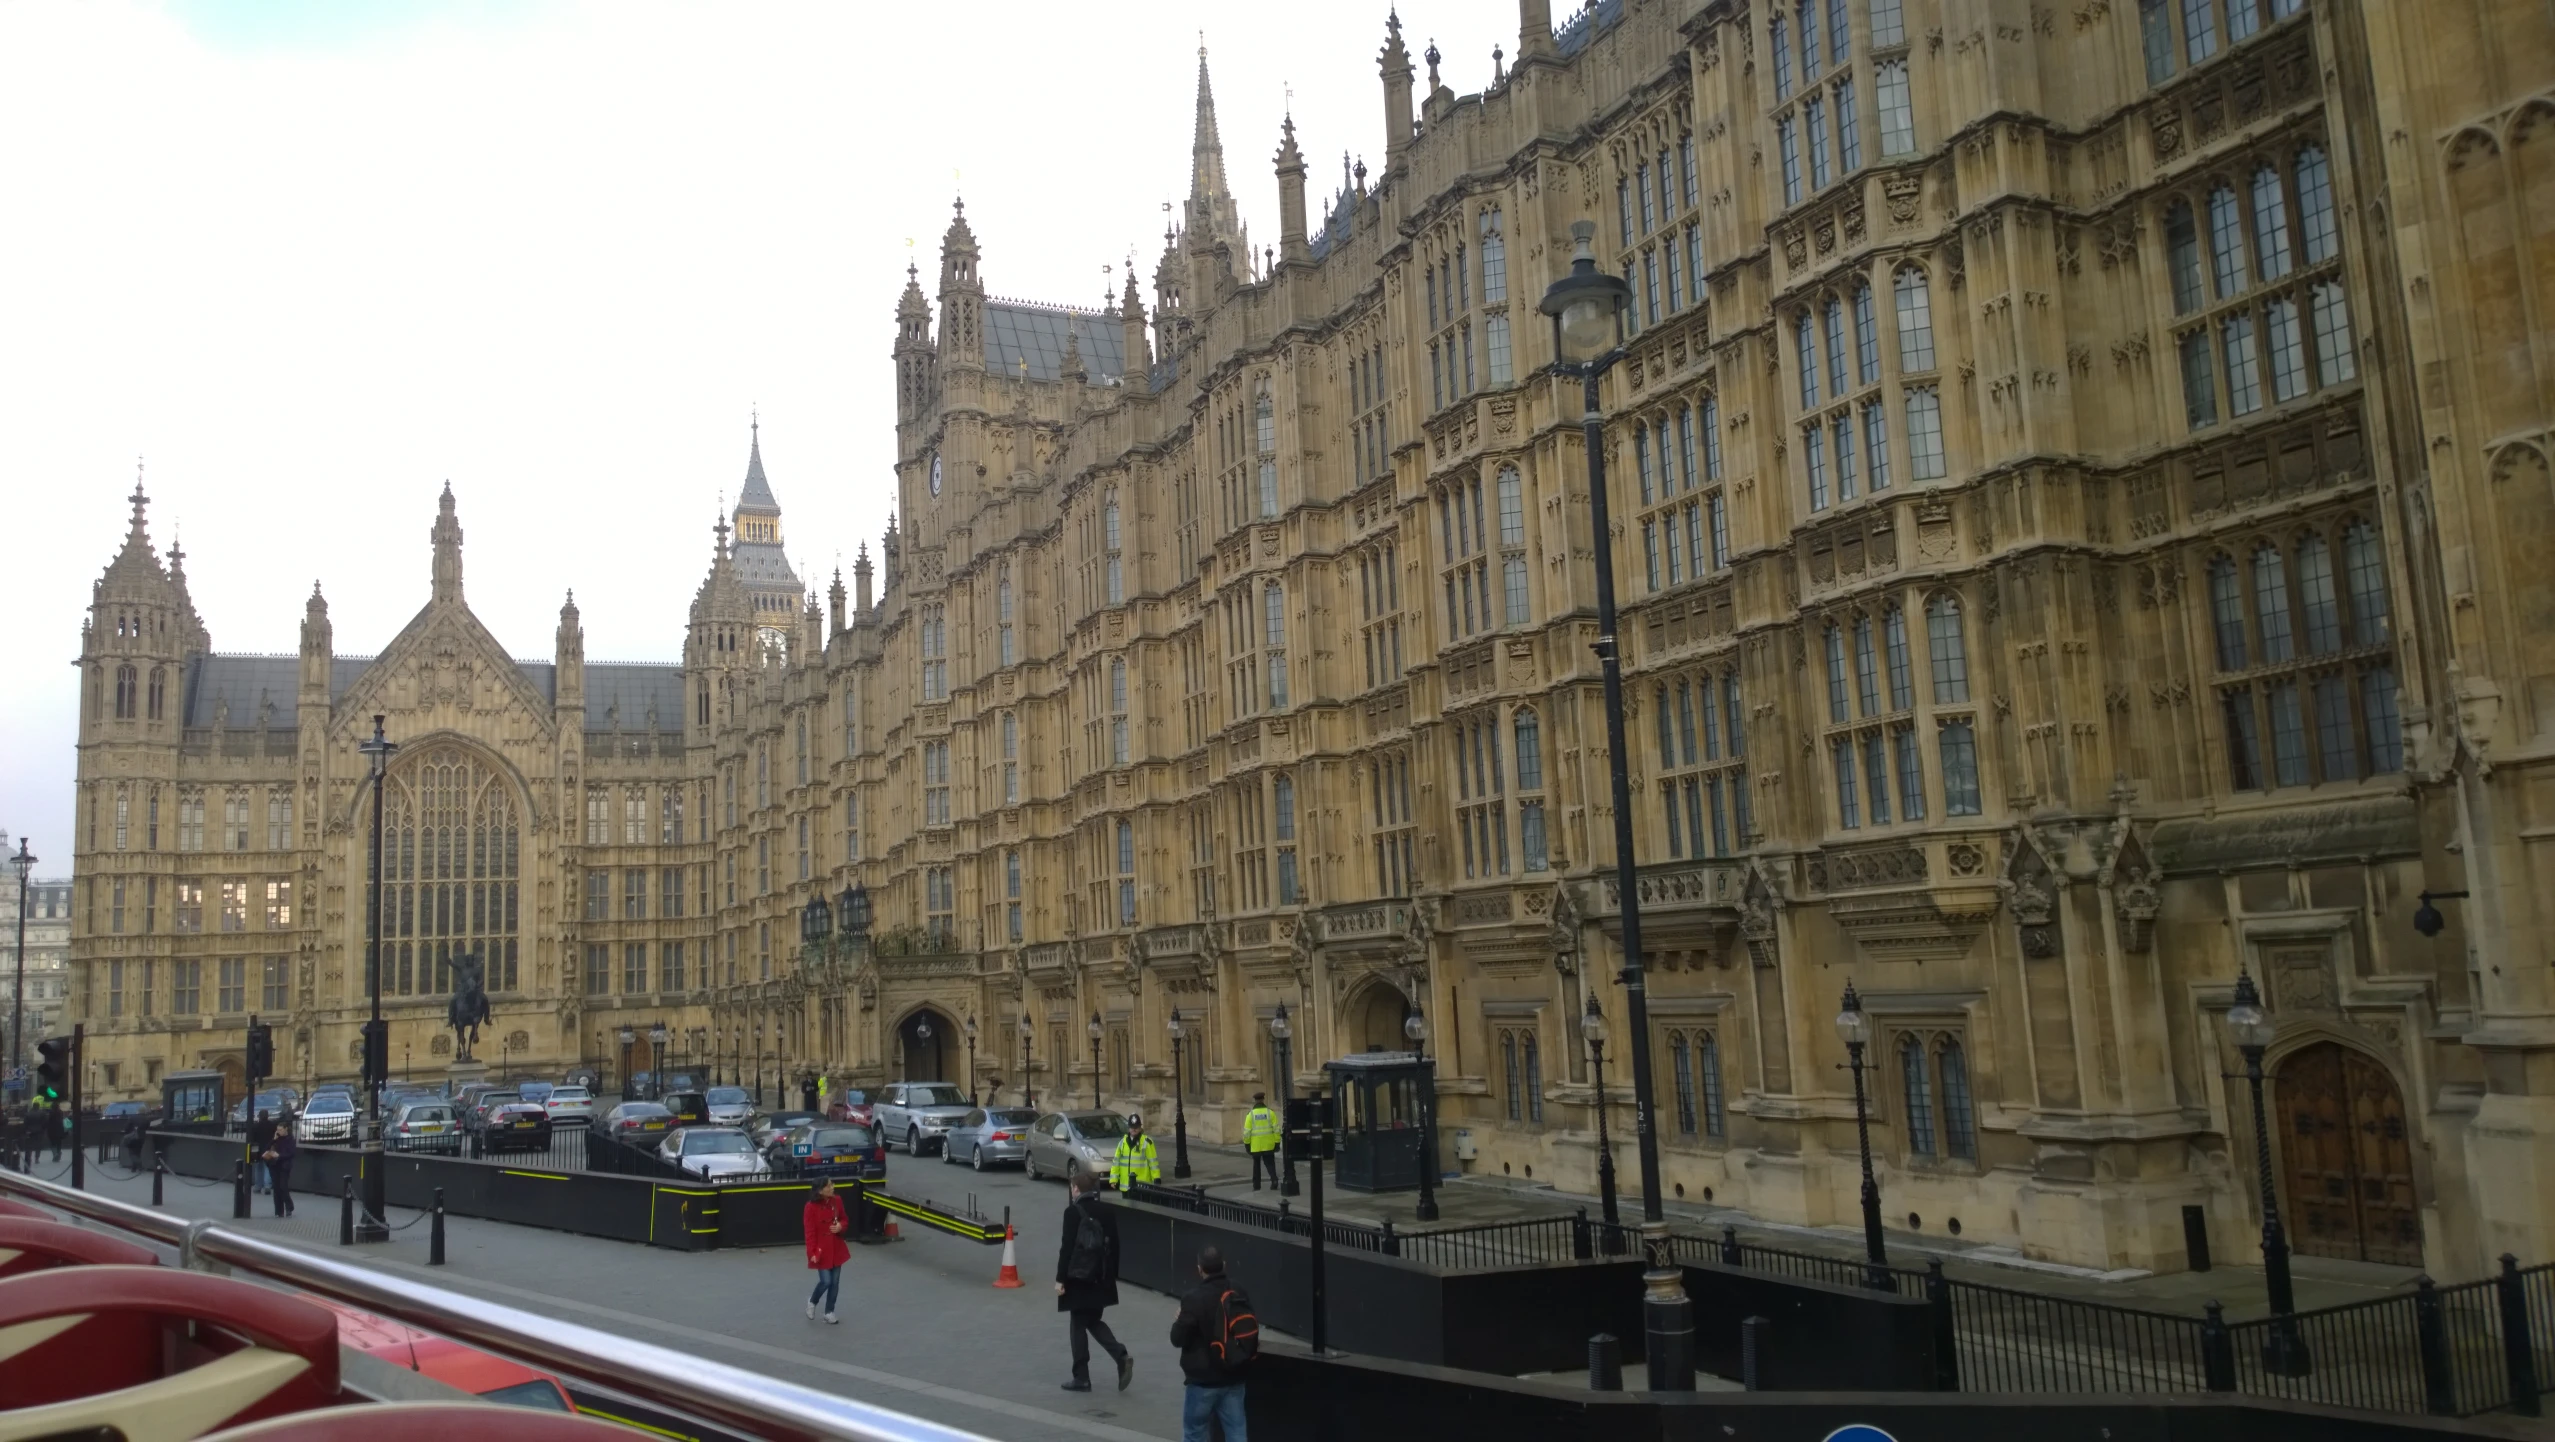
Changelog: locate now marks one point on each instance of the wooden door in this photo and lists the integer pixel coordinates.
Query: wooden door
(2348, 1161)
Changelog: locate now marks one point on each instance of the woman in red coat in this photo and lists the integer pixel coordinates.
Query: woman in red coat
(826, 1225)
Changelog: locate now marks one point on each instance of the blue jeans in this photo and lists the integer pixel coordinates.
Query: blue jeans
(829, 1287)
(257, 1179)
(1224, 1404)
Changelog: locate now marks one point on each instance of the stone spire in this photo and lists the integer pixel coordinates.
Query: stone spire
(1206, 147)
(862, 599)
(318, 647)
(913, 348)
(834, 597)
(568, 662)
(1292, 242)
(758, 491)
(447, 536)
(1139, 357)
(962, 295)
(1395, 65)
(1212, 220)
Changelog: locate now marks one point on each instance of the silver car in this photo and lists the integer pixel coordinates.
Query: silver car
(1067, 1144)
(329, 1118)
(709, 1152)
(989, 1135)
(424, 1127)
(730, 1106)
(918, 1114)
(570, 1107)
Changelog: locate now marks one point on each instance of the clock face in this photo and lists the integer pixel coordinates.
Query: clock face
(771, 636)
(935, 473)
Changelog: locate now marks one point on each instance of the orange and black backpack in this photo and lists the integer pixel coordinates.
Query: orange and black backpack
(1237, 1332)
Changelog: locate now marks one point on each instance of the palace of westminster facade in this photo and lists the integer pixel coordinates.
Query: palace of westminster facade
(2077, 465)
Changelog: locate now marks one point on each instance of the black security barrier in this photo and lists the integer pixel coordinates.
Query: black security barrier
(1293, 1396)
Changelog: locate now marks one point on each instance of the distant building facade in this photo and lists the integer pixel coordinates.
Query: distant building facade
(2081, 501)
(48, 951)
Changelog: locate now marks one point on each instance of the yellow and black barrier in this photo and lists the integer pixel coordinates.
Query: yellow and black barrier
(973, 1229)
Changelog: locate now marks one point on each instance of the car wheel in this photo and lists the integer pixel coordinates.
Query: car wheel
(913, 1142)
(980, 1159)
(1029, 1165)
(1073, 1169)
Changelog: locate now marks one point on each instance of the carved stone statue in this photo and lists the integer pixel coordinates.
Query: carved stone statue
(468, 1010)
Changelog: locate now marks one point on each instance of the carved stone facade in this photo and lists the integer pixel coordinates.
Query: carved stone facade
(2032, 637)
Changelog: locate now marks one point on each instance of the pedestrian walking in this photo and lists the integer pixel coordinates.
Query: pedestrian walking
(1087, 1282)
(59, 1123)
(261, 1139)
(1260, 1135)
(281, 1148)
(826, 1226)
(1134, 1160)
(1217, 1335)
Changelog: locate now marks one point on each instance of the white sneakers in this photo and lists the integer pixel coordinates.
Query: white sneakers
(833, 1321)
(811, 1311)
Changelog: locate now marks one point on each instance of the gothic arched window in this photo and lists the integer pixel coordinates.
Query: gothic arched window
(125, 681)
(451, 863)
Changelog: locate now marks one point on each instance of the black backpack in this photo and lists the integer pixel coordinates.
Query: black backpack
(1237, 1330)
(1090, 1247)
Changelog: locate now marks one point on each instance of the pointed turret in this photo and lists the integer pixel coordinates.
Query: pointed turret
(834, 596)
(1293, 241)
(718, 639)
(1206, 146)
(861, 598)
(318, 645)
(1395, 65)
(447, 539)
(1131, 344)
(809, 646)
(1217, 244)
(568, 660)
(962, 296)
(761, 564)
(914, 356)
(141, 630)
(1534, 30)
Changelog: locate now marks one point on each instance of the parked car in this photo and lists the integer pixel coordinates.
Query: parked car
(330, 1117)
(1067, 1144)
(729, 1106)
(474, 1116)
(766, 1125)
(854, 1105)
(918, 1114)
(588, 1077)
(641, 1122)
(515, 1127)
(642, 1086)
(485, 1375)
(401, 1093)
(843, 1151)
(990, 1135)
(708, 1152)
(535, 1091)
(274, 1101)
(424, 1126)
(689, 1109)
(570, 1107)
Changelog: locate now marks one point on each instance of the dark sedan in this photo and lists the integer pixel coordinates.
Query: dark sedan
(689, 1109)
(644, 1123)
(840, 1150)
(515, 1127)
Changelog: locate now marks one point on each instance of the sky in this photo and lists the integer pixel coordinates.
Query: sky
(298, 263)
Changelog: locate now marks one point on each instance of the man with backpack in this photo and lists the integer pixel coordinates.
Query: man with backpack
(1087, 1281)
(1217, 1336)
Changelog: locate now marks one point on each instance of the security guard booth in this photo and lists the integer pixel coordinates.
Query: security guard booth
(192, 1101)
(1386, 1100)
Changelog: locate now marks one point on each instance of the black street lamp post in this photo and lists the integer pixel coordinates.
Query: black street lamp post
(1028, 1087)
(376, 1165)
(1587, 307)
(1856, 1028)
(1094, 1030)
(25, 862)
(1592, 1025)
(1179, 1105)
(971, 1061)
(656, 1053)
(1281, 1038)
(629, 1083)
(1415, 1026)
(2284, 1351)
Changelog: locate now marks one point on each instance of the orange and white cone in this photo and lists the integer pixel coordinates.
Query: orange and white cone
(1010, 1274)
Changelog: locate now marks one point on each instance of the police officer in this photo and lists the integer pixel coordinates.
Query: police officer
(1260, 1134)
(1134, 1160)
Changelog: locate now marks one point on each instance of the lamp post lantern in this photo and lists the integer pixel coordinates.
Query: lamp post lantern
(1028, 1088)
(2284, 1351)
(1094, 1030)
(1856, 1029)
(1179, 1104)
(376, 1184)
(1281, 1039)
(1592, 1025)
(970, 1029)
(24, 861)
(1587, 307)
(1415, 1026)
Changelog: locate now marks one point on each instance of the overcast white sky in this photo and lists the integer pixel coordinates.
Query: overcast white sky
(309, 259)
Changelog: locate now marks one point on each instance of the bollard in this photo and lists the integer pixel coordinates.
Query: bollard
(239, 1191)
(1392, 1243)
(1605, 1363)
(2217, 1350)
(1730, 1256)
(1947, 1337)
(1581, 1249)
(346, 1214)
(435, 1238)
(2519, 1351)
(159, 1180)
(2431, 1330)
(1752, 1332)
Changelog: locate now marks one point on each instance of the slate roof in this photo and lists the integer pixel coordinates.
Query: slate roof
(1575, 33)
(758, 491)
(1018, 330)
(617, 692)
(763, 567)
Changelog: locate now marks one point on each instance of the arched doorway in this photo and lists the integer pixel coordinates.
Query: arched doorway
(1376, 1025)
(2348, 1158)
(923, 1042)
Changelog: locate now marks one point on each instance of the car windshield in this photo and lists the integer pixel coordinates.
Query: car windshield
(535, 1091)
(1018, 1117)
(427, 1114)
(856, 1098)
(939, 1094)
(329, 1106)
(843, 1139)
(714, 1142)
(1100, 1124)
(730, 1097)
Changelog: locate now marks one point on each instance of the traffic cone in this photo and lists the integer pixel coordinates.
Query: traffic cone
(893, 1235)
(1010, 1275)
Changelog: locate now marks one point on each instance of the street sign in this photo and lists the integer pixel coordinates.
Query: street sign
(802, 1149)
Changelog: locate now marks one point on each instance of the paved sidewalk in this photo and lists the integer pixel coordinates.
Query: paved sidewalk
(1478, 1201)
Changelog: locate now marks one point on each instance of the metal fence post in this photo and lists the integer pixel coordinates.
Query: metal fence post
(2217, 1351)
(239, 1190)
(159, 1181)
(1605, 1363)
(1392, 1243)
(1581, 1249)
(346, 1214)
(1752, 1332)
(435, 1237)
(1947, 1359)
(2431, 1326)
(2519, 1352)
(1730, 1247)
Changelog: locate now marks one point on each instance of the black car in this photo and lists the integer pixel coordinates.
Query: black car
(515, 1126)
(843, 1151)
(475, 1112)
(690, 1109)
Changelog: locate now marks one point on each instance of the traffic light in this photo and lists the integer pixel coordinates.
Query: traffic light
(53, 1070)
(261, 1049)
